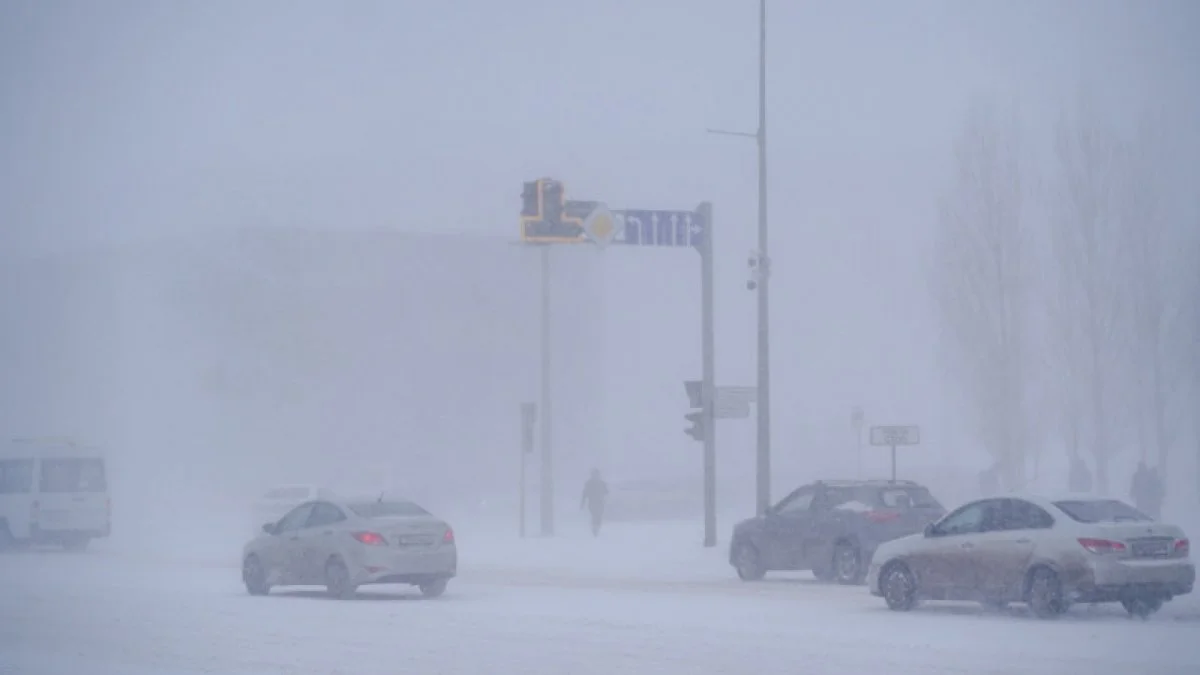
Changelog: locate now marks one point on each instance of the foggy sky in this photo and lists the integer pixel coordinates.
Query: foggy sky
(129, 120)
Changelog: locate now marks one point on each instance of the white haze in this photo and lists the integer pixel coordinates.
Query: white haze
(252, 243)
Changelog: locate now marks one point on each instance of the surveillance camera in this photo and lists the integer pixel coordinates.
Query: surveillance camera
(751, 285)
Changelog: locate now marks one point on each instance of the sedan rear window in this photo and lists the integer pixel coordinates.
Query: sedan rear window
(387, 509)
(1100, 511)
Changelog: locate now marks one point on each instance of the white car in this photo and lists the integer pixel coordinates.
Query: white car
(346, 544)
(53, 492)
(277, 501)
(1047, 553)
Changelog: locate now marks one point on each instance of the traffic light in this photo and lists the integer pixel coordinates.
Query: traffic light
(696, 431)
(531, 203)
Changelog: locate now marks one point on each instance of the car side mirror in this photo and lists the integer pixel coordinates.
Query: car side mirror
(930, 530)
(269, 528)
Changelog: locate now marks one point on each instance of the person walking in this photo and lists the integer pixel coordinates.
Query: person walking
(595, 493)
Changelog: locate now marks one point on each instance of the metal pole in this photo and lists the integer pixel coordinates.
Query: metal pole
(707, 340)
(893, 462)
(547, 490)
(763, 403)
(858, 449)
(521, 506)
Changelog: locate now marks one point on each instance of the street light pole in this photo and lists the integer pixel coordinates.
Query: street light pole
(763, 396)
(763, 403)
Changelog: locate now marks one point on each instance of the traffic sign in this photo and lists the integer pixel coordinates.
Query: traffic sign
(896, 435)
(661, 228)
(600, 225)
(734, 402)
(893, 437)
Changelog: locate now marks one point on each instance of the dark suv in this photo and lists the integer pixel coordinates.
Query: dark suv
(831, 528)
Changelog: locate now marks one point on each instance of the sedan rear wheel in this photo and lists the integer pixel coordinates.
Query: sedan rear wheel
(1046, 598)
(1141, 607)
(434, 588)
(337, 580)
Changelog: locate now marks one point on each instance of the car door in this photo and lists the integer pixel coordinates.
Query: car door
(1003, 552)
(318, 541)
(944, 564)
(286, 549)
(788, 526)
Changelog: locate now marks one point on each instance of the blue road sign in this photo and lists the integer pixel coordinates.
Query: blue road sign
(661, 228)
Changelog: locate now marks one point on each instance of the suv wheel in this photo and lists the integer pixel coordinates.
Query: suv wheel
(748, 563)
(848, 566)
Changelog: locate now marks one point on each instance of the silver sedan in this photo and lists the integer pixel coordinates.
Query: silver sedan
(1047, 553)
(346, 544)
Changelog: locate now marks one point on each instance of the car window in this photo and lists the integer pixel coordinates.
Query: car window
(296, 519)
(907, 497)
(967, 520)
(324, 513)
(16, 476)
(797, 502)
(387, 509)
(837, 496)
(1101, 511)
(72, 475)
(1018, 514)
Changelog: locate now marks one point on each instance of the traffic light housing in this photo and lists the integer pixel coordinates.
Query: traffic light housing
(696, 431)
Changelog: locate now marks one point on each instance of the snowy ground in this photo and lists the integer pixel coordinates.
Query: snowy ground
(642, 599)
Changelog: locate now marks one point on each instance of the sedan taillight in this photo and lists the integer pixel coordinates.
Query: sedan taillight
(448, 538)
(1102, 546)
(1182, 547)
(369, 538)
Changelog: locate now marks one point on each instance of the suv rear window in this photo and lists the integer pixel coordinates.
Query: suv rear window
(918, 497)
(1101, 511)
(387, 509)
(73, 475)
(16, 476)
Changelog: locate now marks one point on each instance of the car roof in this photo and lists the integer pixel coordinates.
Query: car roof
(19, 448)
(882, 483)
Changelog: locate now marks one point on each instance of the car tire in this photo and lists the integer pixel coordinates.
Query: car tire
(337, 580)
(1046, 598)
(76, 544)
(898, 587)
(823, 572)
(433, 588)
(7, 541)
(748, 563)
(848, 567)
(1141, 608)
(254, 576)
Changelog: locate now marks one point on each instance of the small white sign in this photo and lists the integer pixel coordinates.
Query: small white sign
(744, 394)
(896, 435)
(731, 409)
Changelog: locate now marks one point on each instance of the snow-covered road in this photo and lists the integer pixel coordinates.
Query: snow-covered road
(539, 609)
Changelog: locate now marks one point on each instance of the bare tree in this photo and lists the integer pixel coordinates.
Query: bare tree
(980, 282)
(1158, 337)
(1085, 241)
